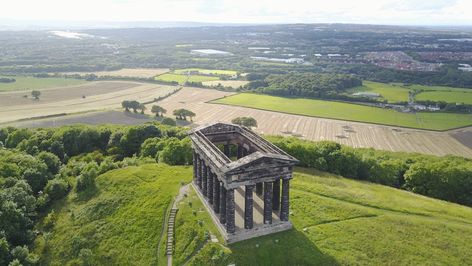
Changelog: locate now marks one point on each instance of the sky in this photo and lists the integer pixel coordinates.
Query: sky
(396, 12)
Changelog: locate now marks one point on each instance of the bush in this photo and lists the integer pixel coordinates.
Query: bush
(56, 188)
(87, 177)
(168, 121)
(51, 160)
(176, 152)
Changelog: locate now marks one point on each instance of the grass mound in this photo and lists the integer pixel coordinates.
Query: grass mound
(336, 221)
(341, 221)
(117, 223)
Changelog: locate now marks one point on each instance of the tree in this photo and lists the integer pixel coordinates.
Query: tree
(126, 105)
(156, 109)
(183, 113)
(56, 188)
(36, 94)
(134, 105)
(142, 107)
(245, 121)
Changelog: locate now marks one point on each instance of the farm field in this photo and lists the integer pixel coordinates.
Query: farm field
(353, 134)
(24, 83)
(181, 79)
(101, 95)
(336, 221)
(447, 96)
(392, 93)
(129, 72)
(206, 71)
(347, 111)
(226, 83)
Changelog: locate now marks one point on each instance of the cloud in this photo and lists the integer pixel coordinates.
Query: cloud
(246, 11)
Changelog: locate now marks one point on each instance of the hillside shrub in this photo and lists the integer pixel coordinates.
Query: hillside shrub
(56, 188)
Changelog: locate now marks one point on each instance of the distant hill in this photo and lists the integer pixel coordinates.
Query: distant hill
(336, 220)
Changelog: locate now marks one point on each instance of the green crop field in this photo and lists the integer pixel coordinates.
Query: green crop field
(347, 111)
(120, 221)
(181, 79)
(392, 93)
(32, 83)
(336, 221)
(206, 71)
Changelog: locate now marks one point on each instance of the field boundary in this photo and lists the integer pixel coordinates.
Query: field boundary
(337, 119)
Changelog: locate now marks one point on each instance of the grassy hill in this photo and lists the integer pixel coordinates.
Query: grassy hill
(336, 220)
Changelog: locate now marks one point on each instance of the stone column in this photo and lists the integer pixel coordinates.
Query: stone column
(230, 223)
(210, 175)
(248, 207)
(268, 202)
(285, 205)
(216, 194)
(240, 151)
(222, 204)
(204, 179)
(259, 188)
(227, 150)
(194, 157)
(199, 173)
(276, 195)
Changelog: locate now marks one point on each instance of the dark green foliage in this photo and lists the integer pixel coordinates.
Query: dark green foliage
(52, 161)
(4, 251)
(168, 121)
(15, 137)
(245, 121)
(56, 188)
(87, 177)
(131, 141)
(176, 152)
(306, 84)
(22, 254)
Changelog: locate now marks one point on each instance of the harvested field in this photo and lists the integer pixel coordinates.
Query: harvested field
(60, 94)
(27, 84)
(463, 135)
(103, 95)
(93, 118)
(354, 134)
(226, 83)
(129, 72)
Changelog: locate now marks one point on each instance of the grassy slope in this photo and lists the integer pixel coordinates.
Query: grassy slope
(336, 221)
(206, 71)
(346, 111)
(392, 93)
(341, 221)
(121, 222)
(31, 83)
(182, 78)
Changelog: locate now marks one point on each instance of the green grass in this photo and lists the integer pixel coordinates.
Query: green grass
(392, 93)
(347, 111)
(447, 96)
(206, 71)
(341, 221)
(120, 221)
(336, 221)
(181, 79)
(32, 83)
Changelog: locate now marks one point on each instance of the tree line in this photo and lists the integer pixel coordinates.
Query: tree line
(447, 178)
(316, 85)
